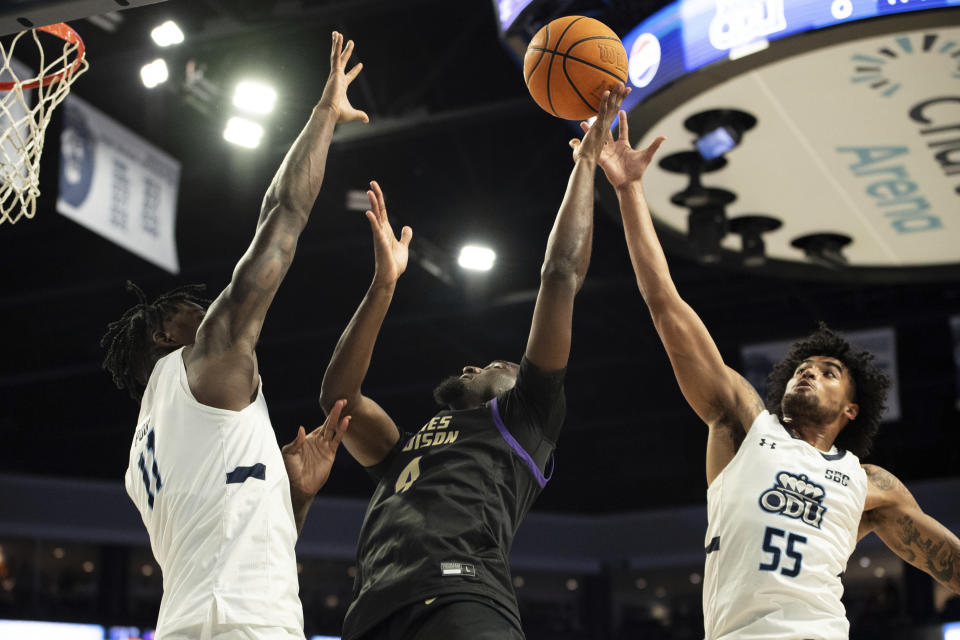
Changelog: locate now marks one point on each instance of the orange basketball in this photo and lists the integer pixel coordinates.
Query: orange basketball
(570, 63)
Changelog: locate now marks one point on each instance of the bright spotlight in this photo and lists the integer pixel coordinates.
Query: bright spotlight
(154, 73)
(254, 97)
(243, 132)
(476, 258)
(167, 34)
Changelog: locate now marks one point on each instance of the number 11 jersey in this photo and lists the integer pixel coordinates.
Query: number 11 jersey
(782, 522)
(213, 492)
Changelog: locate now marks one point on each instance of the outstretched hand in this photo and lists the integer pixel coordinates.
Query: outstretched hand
(594, 139)
(335, 92)
(621, 163)
(390, 253)
(309, 458)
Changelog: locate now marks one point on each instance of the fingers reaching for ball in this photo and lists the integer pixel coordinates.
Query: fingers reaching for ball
(610, 105)
(598, 134)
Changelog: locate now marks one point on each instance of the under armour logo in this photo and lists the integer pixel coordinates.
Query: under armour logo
(763, 443)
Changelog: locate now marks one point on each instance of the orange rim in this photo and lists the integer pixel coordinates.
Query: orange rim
(63, 31)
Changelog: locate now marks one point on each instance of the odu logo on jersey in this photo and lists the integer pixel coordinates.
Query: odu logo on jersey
(795, 497)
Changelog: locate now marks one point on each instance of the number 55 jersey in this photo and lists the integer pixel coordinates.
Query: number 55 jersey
(782, 522)
(214, 495)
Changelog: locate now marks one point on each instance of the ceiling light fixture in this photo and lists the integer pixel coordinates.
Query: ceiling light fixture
(254, 97)
(474, 258)
(751, 229)
(243, 132)
(154, 73)
(167, 34)
(719, 130)
(825, 249)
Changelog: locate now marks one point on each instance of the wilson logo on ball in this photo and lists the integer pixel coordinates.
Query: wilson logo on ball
(612, 56)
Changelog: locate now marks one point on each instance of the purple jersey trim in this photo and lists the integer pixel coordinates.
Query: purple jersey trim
(497, 420)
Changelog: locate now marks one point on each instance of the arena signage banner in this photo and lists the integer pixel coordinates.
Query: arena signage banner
(118, 185)
(695, 33)
(758, 361)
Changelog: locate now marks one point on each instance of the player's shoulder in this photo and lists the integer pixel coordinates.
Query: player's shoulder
(879, 477)
(531, 371)
(884, 488)
(534, 387)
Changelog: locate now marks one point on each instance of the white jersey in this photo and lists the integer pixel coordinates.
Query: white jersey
(782, 522)
(214, 495)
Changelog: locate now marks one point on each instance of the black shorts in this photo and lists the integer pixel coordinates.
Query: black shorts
(450, 617)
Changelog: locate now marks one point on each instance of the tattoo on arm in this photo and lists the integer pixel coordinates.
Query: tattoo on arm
(881, 478)
(940, 558)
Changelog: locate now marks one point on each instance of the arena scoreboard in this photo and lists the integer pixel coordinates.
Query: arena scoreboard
(688, 35)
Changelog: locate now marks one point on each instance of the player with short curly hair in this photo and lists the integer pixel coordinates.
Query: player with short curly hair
(870, 385)
(787, 497)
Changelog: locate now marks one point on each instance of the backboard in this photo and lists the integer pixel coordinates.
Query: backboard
(17, 15)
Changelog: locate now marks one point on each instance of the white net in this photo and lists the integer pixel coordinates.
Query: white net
(26, 105)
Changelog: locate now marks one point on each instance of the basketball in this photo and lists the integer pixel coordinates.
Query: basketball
(570, 63)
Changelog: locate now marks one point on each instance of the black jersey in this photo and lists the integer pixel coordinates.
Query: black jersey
(450, 498)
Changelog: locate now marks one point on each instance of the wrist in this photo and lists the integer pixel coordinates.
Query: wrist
(326, 108)
(629, 188)
(382, 285)
(300, 498)
(587, 161)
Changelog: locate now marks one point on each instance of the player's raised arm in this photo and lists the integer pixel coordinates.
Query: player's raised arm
(372, 432)
(233, 323)
(568, 248)
(893, 514)
(719, 395)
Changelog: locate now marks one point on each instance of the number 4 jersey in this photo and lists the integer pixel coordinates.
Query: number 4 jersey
(783, 519)
(213, 492)
(450, 499)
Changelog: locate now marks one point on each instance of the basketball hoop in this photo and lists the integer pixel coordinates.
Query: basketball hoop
(22, 127)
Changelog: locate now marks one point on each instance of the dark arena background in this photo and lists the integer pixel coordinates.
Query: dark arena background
(811, 172)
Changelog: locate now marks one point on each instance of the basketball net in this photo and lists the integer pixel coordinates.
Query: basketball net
(22, 127)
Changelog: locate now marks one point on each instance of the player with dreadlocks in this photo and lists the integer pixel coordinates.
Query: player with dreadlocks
(131, 349)
(787, 497)
(222, 504)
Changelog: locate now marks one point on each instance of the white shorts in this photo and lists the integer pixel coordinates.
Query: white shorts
(210, 630)
(232, 632)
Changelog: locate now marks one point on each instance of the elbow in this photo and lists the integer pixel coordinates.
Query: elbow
(658, 302)
(280, 204)
(329, 394)
(665, 319)
(563, 273)
(665, 323)
(659, 295)
(328, 397)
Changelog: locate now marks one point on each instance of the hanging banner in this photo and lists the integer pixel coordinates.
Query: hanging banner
(955, 330)
(758, 361)
(117, 184)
